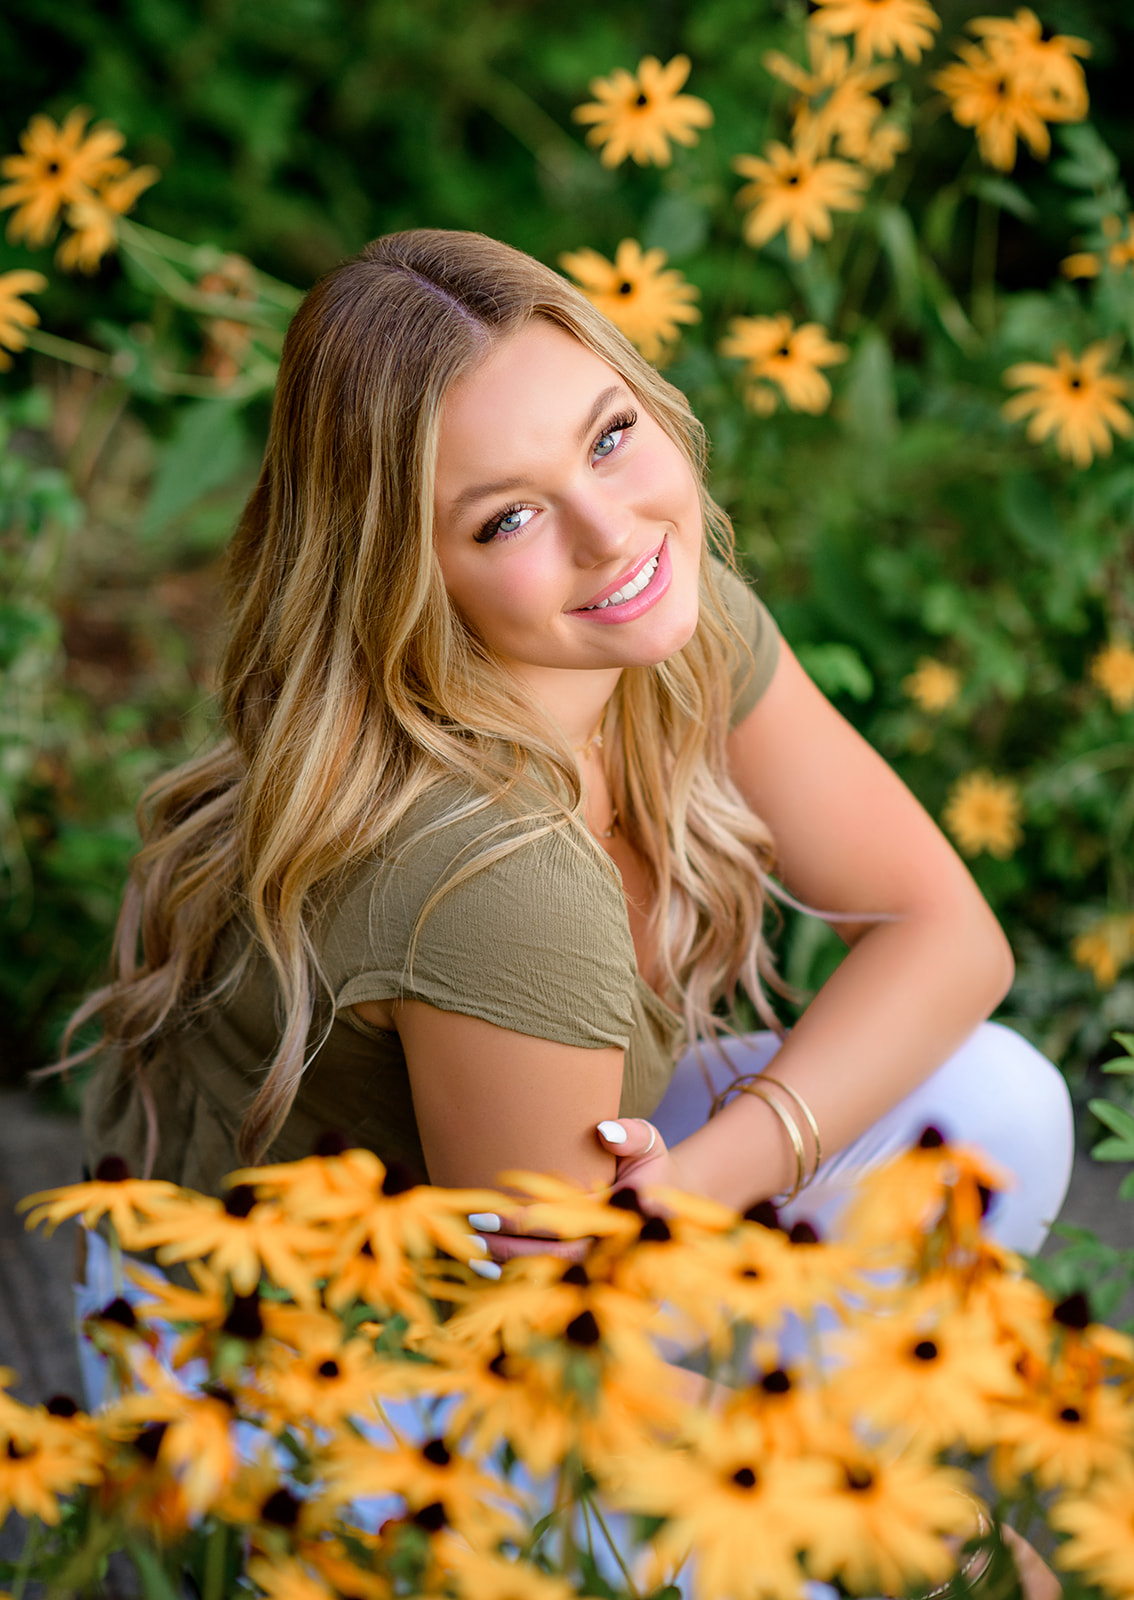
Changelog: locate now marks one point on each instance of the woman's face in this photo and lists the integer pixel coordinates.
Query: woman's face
(568, 523)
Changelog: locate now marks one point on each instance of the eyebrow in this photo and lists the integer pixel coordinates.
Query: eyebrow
(481, 491)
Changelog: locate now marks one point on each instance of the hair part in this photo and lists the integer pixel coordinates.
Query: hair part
(351, 687)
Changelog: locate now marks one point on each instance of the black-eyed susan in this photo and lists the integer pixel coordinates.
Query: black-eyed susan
(329, 1381)
(1116, 255)
(636, 114)
(480, 1575)
(288, 1579)
(737, 1515)
(1075, 401)
(643, 297)
(1105, 947)
(1000, 104)
(838, 108)
(931, 1368)
(94, 219)
(896, 1203)
(198, 1442)
(983, 813)
(128, 1203)
(1051, 64)
(790, 190)
(1112, 670)
(777, 352)
(933, 685)
(794, 1417)
(348, 1568)
(42, 1460)
(16, 316)
(240, 1237)
(1101, 1526)
(433, 1474)
(61, 164)
(1063, 1435)
(886, 1522)
(880, 27)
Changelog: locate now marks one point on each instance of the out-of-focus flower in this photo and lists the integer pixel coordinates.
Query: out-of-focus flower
(226, 340)
(43, 1459)
(1113, 670)
(288, 1579)
(637, 114)
(880, 27)
(239, 1236)
(61, 164)
(15, 314)
(129, 1203)
(198, 1443)
(1074, 400)
(983, 813)
(1012, 83)
(481, 1576)
(1118, 254)
(640, 295)
(1101, 1525)
(1064, 1434)
(792, 190)
(94, 219)
(1105, 948)
(837, 108)
(885, 1520)
(433, 1474)
(775, 351)
(1050, 63)
(933, 685)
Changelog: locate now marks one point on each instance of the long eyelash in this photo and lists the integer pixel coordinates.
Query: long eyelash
(625, 422)
(492, 527)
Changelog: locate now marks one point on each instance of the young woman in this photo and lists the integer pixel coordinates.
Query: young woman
(511, 759)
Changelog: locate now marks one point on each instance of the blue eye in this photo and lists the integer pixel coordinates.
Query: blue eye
(608, 443)
(506, 524)
(611, 437)
(511, 523)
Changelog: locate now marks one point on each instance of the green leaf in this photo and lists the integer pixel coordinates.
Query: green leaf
(899, 245)
(1126, 1040)
(1030, 513)
(1092, 163)
(1000, 192)
(1116, 1118)
(870, 407)
(155, 1581)
(205, 451)
(837, 669)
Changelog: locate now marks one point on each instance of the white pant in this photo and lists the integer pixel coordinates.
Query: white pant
(997, 1092)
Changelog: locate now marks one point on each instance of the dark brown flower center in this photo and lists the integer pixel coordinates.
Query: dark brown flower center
(239, 1200)
(112, 1169)
(626, 287)
(52, 168)
(328, 1369)
(926, 1350)
(642, 100)
(437, 1453)
(744, 1478)
(777, 1382)
(281, 1509)
(858, 1478)
(784, 351)
(1074, 383)
(1070, 1414)
(583, 1329)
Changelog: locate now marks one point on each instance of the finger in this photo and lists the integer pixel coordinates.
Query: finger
(631, 1137)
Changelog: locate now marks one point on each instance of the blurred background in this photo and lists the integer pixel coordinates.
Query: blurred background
(906, 522)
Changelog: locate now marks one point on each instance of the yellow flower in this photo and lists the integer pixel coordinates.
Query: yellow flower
(983, 813)
(882, 1527)
(490, 1577)
(1064, 1436)
(1113, 671)
(740, 1514)
(1049, 64)
(637, 114)
(1119, 253)
(933, 685)
(198, 1443)
(42, 1460)
(239, 1236)
(794, 191)
(838, 107)
(1101, 1525)
(60, 165)
(790, 357)
(429, 1476)
(127, 1202)
(94, 219)
(880, 27)
(1001, 104)
(1105, 948)
(15, 315)
(646, 302)
(288, 1580)
(1074, 400)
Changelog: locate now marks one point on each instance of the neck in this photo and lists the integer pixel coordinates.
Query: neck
(576, 700)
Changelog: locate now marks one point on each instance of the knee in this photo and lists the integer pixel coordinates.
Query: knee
(1007, 1097)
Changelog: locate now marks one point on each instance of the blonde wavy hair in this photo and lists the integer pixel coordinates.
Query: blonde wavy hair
(351, 687)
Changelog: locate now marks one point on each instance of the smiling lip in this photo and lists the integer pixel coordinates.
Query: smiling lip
(630, 610)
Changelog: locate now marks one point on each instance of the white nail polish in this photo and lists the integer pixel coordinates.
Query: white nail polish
(485, 1269)
(486, 1221)
(477, 1243)
(613, 1132)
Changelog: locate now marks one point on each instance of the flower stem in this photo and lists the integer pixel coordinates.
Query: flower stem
(609, 1537)
(27, 1555)
(985, 245)
(78, 355)
(216, 1553)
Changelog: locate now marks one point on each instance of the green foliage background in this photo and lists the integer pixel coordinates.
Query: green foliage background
(910, 521)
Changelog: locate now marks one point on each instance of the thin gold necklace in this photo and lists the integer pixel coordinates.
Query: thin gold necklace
(595, 743)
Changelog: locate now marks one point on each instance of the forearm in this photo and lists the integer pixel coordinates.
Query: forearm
(906, 996)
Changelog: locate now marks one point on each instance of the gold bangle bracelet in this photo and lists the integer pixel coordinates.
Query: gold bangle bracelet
(808, 1117)
(795, 1138)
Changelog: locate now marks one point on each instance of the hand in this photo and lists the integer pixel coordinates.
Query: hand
(642, 1159)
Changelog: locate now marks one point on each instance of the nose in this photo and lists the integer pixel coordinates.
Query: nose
(600, 525)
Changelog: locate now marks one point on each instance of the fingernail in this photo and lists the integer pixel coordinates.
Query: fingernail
(613, 1132)
(477, 1242)
(485, 1269)
(486, 1221)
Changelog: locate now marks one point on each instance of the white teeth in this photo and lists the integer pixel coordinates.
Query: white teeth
(629, 590)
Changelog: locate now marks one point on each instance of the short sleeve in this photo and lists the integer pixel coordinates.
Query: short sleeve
(537, 941)
(754, 621)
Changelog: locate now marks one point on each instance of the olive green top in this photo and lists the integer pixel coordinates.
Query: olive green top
(537, 942)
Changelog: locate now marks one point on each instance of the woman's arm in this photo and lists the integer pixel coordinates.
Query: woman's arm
(851, 837)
